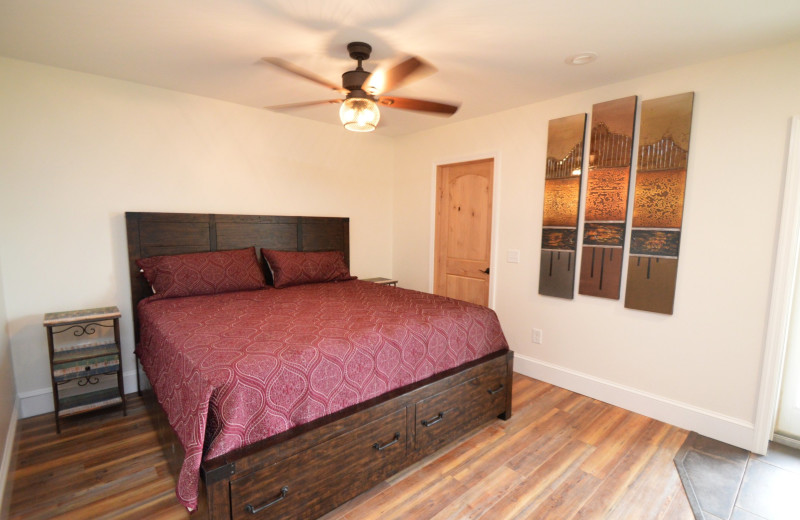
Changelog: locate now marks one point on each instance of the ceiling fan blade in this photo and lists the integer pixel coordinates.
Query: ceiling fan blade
(294, 69)
(304, 104)
(418, 104)
(386, 79)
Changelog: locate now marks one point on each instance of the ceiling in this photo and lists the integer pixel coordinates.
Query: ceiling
(490, 56)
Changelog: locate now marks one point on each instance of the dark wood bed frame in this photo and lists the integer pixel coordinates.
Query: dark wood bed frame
(313, 468)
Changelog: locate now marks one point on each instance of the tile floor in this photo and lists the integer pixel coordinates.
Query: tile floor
(727, 483)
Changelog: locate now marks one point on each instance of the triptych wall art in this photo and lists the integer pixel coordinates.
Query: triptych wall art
(657, 204)
(610, 149)
(562, 195)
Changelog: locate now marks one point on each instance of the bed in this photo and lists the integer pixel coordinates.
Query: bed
(316, 453)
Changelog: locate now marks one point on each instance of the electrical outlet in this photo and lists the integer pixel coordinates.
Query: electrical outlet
(513, 256)
(536, 336)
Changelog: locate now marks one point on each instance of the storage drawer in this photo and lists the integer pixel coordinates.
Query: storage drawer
(317, 480)
(84, 361)
(443, 417)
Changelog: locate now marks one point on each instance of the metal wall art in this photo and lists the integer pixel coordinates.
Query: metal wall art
(562, 193)
(658, 203)
(610, 150)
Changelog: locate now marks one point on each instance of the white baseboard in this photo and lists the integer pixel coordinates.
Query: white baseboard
(8, 457)
(786, 441)
(705, 422)
(39, 401)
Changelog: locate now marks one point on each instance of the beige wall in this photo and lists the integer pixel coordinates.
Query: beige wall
(698, 368)
(8, 395)
(7, 390)
(80, 150)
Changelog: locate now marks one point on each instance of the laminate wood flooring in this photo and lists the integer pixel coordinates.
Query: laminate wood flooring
(561, 456)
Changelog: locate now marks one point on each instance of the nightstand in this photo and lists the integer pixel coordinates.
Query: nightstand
(381, 281)
(86, 365)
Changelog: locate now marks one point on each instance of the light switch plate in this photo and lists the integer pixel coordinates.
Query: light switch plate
(513, 256)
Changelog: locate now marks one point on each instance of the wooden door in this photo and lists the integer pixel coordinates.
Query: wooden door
(463, 230)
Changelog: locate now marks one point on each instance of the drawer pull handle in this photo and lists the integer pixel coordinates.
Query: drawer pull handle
(492, 392)
(426, 422)
(254, 510)
(378, 446)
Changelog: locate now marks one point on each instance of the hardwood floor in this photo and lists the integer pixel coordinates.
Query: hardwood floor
(562, 456)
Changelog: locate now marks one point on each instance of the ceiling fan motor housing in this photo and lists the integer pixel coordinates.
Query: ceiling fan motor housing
(352, 80)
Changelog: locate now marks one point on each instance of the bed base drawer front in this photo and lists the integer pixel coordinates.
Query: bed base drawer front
(309, 484)
(444, 417)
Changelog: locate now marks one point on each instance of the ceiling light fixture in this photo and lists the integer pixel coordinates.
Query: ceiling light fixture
(581, 59)
(359, 114)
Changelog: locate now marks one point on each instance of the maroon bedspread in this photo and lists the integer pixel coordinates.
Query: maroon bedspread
(231, 369)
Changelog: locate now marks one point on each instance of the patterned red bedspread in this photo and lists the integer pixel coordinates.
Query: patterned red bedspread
(232, 369)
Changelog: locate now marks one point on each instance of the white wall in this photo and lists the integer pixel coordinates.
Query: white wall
(698, 368)
(80, 150)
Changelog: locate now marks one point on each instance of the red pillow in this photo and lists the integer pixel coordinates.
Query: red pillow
(203, 273)
(296, 268)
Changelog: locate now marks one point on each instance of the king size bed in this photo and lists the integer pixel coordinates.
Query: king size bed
(282, 387)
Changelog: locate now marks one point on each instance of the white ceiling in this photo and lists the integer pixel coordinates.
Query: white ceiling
(491, 55)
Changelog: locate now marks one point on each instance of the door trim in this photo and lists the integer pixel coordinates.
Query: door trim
(493, 256)
(780, 307)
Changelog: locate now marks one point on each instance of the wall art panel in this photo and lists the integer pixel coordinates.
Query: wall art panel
(658, 203)
(562, 195)
(607, 186)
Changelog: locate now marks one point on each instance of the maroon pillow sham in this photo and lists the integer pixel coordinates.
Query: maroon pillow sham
(296, 268)
(194, 274)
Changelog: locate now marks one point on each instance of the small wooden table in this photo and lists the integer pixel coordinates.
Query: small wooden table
(381, 281)
(80, 368)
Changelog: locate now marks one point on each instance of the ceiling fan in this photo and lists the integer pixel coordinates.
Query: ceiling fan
(364, 90)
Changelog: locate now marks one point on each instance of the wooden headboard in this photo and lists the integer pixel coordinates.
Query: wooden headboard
(151, 234)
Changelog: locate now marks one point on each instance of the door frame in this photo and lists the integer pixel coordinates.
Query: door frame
(493, 256)
(780, 307)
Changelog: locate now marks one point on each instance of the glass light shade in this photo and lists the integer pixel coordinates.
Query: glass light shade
(359, 114)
